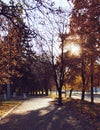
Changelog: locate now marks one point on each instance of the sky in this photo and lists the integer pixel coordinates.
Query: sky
(61, 3)
(58, 3)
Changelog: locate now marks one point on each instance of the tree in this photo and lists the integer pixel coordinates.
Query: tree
(49, 43)
(58, 66)
(42, 70)
(85, 22)
(14, 41)
(22, 28)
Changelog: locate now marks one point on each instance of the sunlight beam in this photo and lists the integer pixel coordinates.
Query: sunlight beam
(74, 49)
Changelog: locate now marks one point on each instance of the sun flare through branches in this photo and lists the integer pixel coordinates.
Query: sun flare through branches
(74, 49)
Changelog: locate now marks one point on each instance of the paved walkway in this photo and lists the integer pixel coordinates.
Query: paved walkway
(33, 104)
(40, 114)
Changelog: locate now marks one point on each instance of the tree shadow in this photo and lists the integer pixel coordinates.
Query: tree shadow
(52, 117)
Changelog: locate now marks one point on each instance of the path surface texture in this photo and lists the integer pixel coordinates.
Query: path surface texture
(41, 114)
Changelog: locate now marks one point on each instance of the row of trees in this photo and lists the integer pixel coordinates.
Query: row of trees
(49, 29)
(21, 69)
(85, 23)
(81, 71)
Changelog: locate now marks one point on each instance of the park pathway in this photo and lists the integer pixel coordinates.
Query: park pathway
(41, 114)
(33, 104)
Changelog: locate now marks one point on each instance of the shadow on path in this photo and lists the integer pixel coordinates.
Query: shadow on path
(48, 118)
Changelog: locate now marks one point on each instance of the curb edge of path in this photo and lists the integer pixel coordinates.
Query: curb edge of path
(9, 111)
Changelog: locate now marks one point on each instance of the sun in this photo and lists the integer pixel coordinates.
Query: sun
(74, 49)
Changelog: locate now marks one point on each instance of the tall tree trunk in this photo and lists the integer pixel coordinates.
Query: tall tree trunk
(60, 96)
(8, 91)
(46, 92)
(70, 94)
(59, 80)
(92, 80)
(42, 91)
(83, 94)
(59, 89)
(83, 80)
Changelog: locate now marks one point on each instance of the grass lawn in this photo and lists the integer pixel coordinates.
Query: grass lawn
(83, 106)
(5, 106)
(85, 111)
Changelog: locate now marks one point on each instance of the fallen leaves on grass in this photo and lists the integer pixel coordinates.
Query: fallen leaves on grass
(5, 106)
(85, 110)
